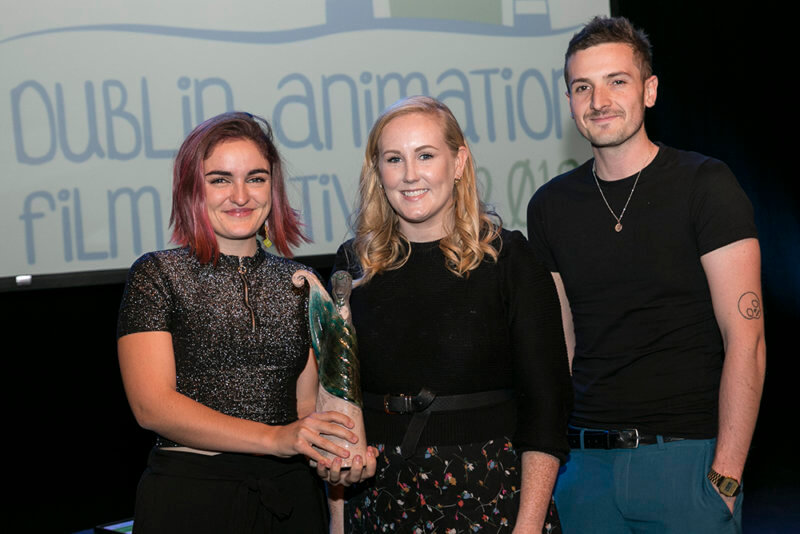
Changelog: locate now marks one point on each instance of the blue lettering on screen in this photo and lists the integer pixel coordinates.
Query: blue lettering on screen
(120, 119)
(325, 113)
(308, 192)
(42, 206)
(529, 102)
(43, 212)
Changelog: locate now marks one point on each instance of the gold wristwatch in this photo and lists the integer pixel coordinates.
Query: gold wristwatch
(728, 486)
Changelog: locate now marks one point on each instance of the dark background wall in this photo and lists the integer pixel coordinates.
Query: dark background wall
(722, 75)
(74, 453)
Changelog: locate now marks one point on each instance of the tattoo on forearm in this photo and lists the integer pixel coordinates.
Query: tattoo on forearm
(750, 306)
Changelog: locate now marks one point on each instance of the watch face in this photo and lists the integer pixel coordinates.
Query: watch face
(728, 487)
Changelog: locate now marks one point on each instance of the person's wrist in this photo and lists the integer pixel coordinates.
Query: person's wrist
(726, 485)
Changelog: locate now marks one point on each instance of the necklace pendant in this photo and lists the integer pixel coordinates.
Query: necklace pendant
(618, 227)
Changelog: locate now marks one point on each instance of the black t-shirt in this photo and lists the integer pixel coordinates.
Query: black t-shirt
(648, 348)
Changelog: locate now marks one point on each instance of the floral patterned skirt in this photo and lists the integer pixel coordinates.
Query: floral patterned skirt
(442, 490)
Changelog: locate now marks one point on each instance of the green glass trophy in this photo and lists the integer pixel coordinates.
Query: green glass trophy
(333, 339)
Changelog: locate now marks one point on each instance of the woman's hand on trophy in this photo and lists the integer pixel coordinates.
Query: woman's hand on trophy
(360, 469)
(306, 436)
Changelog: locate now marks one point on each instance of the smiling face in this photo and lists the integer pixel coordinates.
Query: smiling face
(607, 95)
(418, 171)
(238, 194)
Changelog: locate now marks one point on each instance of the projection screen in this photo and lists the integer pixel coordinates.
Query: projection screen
(99, 95)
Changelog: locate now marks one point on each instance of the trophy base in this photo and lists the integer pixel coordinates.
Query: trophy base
(330, 403)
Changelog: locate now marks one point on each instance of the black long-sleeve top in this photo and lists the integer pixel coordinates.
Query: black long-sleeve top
(500, 328)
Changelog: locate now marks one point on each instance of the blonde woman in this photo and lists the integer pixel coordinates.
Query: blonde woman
(463, 364)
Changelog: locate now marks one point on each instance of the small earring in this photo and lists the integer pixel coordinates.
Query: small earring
(458, 179)
(267, 242)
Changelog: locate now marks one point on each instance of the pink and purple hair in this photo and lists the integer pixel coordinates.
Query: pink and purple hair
(190, 224)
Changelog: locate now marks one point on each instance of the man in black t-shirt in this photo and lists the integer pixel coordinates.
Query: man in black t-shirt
(656, 259)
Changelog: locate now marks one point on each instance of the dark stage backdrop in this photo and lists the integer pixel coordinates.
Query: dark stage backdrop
(721, 84)
(74, 452)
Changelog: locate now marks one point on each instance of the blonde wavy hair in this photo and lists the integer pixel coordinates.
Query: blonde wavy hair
(380, 245)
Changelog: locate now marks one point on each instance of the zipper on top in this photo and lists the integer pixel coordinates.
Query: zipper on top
(243, 273)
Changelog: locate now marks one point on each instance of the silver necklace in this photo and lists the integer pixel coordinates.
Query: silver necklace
(618, 226)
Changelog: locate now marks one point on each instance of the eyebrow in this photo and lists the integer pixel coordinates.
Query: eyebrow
(418, 149)
(579, 80)
(605, 77)
(227, 173)
(425, 147)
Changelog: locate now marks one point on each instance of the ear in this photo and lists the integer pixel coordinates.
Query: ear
(569, 103)
(461, 161)
(650, 91)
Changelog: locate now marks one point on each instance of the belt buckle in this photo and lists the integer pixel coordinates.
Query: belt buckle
(405, 399)
(626, 436)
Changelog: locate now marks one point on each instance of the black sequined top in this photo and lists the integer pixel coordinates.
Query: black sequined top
(239, 329)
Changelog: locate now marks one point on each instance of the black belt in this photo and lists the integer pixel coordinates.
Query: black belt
(427, 402)
(628, 438)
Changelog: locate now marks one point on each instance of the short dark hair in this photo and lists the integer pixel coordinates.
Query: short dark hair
(601, 30)
(189, 219)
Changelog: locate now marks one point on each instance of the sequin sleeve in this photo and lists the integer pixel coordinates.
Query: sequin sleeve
(147, 302)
